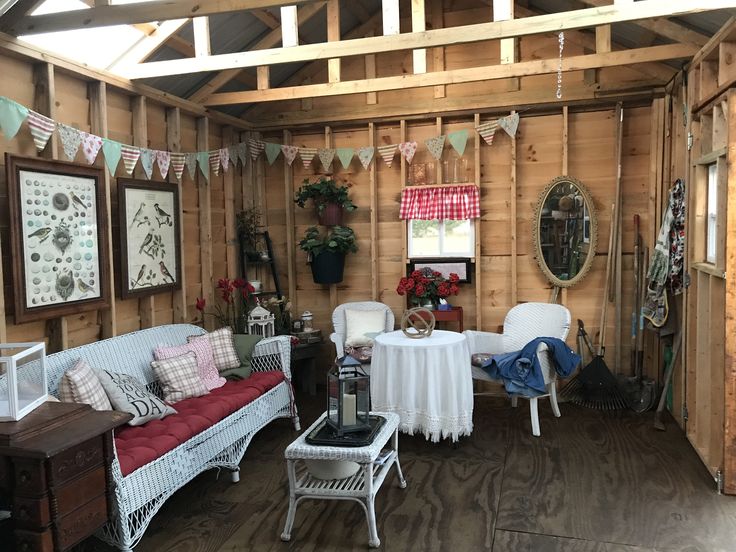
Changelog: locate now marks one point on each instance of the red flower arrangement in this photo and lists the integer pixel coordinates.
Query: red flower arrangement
(229, 291)
(428, 285)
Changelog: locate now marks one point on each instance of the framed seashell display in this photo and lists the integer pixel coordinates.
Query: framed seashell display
(150, 259)
(59, 237)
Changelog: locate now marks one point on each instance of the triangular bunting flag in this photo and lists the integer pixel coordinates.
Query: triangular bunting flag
(41, 128)
(190, 160)
(225, 158)
(12, 115)
(242, 152)
(272, 152)
(307, 154)
(408, 149)
(112, 151)
(214, 160)
(365, 154)
(91, 145)
(148, 156)
(70, 140)
(387, 153)
(233, 152)
(487, 131)
(203, 160)
(510, 123)
(177, 164)
(289, 153)
(458, 140)
(436, 146)
(163, 160)
(131, 154)
(256, 148)
(345, 155)
(326, 155)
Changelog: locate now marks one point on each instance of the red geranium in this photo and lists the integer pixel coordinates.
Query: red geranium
(200, 304)
(428, 284)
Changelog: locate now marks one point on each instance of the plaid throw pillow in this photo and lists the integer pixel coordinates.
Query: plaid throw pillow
(179, 377)
(80, 384)
(223, 348)
(205, 361)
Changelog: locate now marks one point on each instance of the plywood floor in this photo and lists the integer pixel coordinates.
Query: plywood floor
(593, 482)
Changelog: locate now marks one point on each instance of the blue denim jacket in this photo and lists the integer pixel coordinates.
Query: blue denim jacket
(521, 372)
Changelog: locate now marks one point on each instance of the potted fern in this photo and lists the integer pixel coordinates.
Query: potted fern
(327, 253)
(328, 197)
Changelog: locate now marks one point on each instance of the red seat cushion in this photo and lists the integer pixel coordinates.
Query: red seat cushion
(139, 445)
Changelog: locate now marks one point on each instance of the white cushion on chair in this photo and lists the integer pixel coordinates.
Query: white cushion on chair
(363, 326)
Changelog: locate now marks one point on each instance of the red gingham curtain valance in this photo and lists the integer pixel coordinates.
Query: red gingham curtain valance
(440, 202)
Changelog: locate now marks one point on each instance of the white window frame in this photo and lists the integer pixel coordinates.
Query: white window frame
(469, 254)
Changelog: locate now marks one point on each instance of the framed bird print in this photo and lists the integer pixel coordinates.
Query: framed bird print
(150, 260)
(59, 239)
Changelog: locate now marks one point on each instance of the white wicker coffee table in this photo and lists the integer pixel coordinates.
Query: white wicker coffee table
(361, 487)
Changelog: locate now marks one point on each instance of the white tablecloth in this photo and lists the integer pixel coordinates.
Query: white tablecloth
(427, 382)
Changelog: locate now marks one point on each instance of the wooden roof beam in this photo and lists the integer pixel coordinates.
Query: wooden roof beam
(147, 45)
(458, 76)
(143, 12)
(16, 12)
(590, 17)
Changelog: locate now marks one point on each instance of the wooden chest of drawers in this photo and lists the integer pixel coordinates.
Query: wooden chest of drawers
(54, 474)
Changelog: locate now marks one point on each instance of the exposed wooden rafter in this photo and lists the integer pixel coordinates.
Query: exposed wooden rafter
(148, 44)
(16, 12)
(590, 17)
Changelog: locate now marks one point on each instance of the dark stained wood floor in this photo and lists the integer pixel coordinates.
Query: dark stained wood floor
(594, 482)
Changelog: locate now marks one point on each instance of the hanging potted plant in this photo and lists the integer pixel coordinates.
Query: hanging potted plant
(248, 224)
(329, 199)
(327, 253)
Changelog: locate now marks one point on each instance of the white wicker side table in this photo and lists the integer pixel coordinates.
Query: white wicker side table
(361, 487)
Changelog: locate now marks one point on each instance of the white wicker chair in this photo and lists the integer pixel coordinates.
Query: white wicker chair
(340, 328)
(524, 323)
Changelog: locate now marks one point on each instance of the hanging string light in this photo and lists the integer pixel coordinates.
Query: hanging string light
(561, 39)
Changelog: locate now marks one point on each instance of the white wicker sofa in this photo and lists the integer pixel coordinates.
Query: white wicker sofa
(140, 494)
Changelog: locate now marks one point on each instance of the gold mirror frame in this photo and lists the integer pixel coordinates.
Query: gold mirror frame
(587, 198)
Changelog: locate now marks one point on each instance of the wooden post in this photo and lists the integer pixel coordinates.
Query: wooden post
(512, 229)
(370, 73)
(438, 54)
(97, 93)
(375, 293)
(290, 237)
(205, 219)
(418, 24)
(478, 230)
(404, 224)
(333, 34)
(329, 141)
(228, 180)
(565, 170)
(618, 287)
(173, 142)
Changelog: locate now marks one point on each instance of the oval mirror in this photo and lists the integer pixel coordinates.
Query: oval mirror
(565, 231)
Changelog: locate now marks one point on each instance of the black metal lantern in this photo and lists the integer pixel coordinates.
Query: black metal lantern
(348, 396)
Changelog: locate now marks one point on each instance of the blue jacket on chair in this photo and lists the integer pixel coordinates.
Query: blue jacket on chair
(521, 372)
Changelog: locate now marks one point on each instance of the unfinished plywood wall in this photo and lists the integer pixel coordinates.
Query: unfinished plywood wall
(93, 106)
(512, 173)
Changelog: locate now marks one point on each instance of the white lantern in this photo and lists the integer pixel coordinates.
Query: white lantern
(22, 379)
(261, 322)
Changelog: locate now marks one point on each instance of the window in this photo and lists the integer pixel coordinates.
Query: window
(441, 238)
(712, 214)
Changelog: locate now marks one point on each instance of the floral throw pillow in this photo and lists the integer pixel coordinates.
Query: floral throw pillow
(205, 360)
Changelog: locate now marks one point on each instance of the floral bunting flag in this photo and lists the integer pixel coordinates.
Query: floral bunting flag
(435, 146)
(326, 155)
(458, 140)
(70, 140)
(487, 131)
(289, 153)
(148, 156)
(365, 154)
(214, 161)
(272, 152)
(256, 148)
(408, 149)
(112, 151)
(242, 153)
(203, 160)
(41, 128)
(510, 123)
(91, 145)
(233, 152)
(225, 158)
(131, 154)
(163, 160)
(177, 164)
(190, 160)
(12, 115)
(345, 155)
(387, 153)
(307, 154)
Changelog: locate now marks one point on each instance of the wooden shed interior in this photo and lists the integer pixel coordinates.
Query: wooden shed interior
(625, 96)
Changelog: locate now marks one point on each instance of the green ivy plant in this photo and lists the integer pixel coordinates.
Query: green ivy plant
(322, 192)
(341, 239)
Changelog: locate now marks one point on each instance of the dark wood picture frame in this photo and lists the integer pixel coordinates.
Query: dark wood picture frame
(50, 204)
(442, 264)
(150, 218)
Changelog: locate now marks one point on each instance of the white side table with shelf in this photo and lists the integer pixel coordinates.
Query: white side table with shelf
(361, 487)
